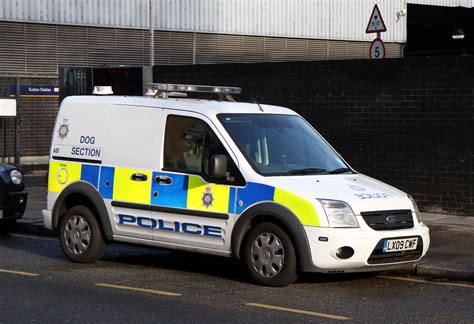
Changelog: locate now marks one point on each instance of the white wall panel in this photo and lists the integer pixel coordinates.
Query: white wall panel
(445, 3)
(317, 19)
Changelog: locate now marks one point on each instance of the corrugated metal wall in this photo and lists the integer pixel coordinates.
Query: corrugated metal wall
(316, 19)
(445, 3)
(43, 48)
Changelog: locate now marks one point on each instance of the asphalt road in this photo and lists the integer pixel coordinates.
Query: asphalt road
(136, 284)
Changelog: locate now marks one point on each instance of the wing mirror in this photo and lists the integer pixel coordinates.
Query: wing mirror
(218, 166)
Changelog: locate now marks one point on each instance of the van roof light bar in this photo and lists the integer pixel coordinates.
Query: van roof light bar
(164, 90)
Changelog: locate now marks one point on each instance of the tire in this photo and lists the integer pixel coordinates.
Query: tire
(6, 226)
(270, 244)
(80, 235)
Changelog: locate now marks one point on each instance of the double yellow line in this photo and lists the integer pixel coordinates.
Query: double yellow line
(277, 308)
(257, 305)
(20, 273)
(299, 311)
(452, 284)
(143, 290)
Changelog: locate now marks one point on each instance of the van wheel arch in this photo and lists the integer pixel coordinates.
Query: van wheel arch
(280, 216)
(83, 193)
(257, 220)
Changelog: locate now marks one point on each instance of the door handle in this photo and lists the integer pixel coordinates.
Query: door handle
(139, 177)
(164, 180)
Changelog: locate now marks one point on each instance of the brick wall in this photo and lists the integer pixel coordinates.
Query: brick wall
(37, 122)
(37, 119)
(407, 122)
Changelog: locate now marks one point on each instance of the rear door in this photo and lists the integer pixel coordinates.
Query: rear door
(190, 207)
(126, 172)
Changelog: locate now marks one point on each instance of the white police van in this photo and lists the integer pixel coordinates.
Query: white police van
(250, 181)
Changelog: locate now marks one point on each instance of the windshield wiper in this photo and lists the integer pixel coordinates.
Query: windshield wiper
(340, 170)
(306, 171)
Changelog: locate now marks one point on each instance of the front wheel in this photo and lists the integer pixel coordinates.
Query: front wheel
(80, 235)
(269, 256)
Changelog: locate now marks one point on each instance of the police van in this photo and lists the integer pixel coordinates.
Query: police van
(251, 181)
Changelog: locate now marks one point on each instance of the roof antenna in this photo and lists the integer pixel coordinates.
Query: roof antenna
(246, 89)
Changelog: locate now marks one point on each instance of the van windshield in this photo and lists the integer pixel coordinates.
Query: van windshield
(282, 145)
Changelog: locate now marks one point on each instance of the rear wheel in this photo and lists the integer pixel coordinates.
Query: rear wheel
(80, 235)
(269, 256)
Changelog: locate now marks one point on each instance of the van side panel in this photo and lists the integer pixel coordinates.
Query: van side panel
(129, 190)
(130, 136)
(79, 133)
(77, 146)
(126, 175)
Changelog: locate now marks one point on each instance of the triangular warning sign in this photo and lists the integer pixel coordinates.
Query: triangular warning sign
(376, 24)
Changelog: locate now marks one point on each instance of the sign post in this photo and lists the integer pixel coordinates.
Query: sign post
(7, 111)
(376, 25)
(17, 122)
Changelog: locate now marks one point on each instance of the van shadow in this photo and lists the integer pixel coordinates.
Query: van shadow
(214, 266)
(132, 256)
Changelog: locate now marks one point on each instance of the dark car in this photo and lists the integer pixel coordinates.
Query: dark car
(13, 196)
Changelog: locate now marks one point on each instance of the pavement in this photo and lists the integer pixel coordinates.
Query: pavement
(450, 256)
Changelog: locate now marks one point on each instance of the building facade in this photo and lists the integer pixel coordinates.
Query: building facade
(406, 121)
(40, 36)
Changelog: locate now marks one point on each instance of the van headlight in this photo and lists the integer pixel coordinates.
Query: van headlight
(17, 177)
(339, 213)
(415, 207)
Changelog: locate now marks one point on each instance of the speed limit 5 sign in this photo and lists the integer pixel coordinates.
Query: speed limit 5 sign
(377, 49)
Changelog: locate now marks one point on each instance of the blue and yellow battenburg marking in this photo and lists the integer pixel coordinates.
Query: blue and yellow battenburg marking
(63, 173)
(185, 192)
(256, 192)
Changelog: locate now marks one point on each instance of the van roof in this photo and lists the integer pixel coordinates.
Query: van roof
(207, 107)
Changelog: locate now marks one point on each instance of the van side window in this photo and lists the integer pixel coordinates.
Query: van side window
(189, 145)
(184, 138)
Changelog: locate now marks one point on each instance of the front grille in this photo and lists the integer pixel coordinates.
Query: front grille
(379, 257)
(388, 219)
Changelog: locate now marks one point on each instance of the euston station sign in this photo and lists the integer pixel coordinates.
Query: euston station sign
(30, 90)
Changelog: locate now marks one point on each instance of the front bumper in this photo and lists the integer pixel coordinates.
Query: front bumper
(48, 219)
(13, 204)
(366, 242)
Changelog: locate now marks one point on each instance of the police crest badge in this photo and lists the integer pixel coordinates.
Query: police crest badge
(207, 198)
(63, 129)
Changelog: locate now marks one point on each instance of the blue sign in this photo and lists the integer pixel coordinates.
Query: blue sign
(30, 90)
